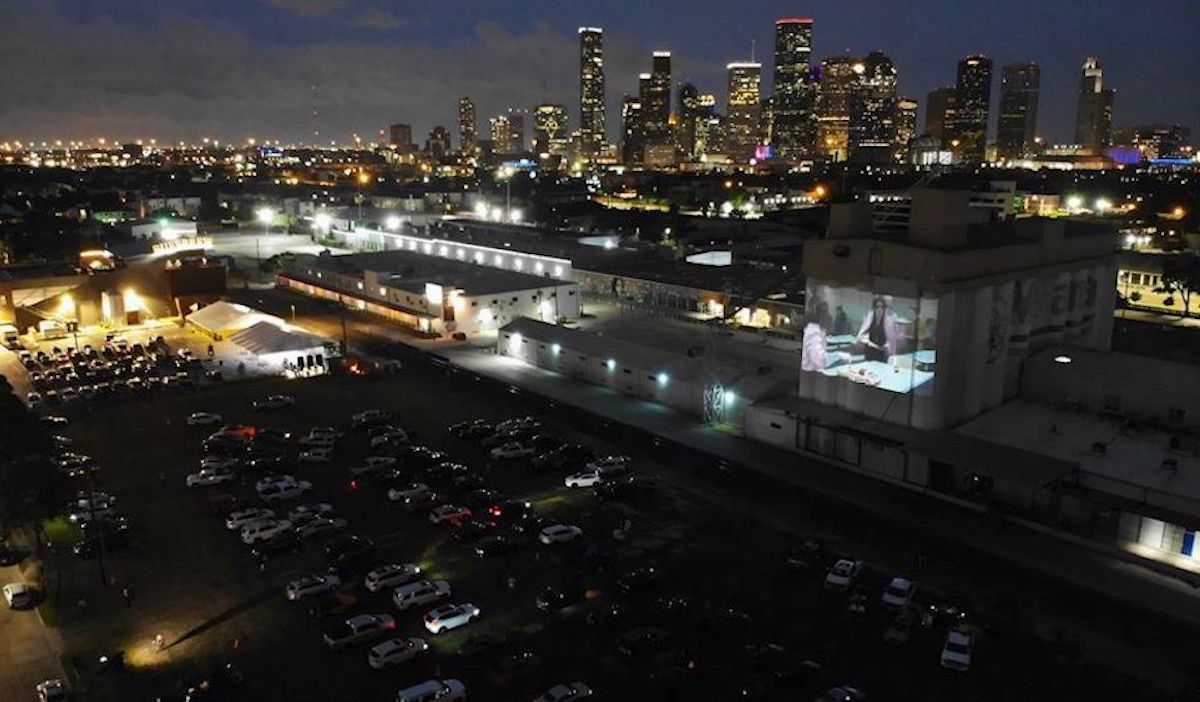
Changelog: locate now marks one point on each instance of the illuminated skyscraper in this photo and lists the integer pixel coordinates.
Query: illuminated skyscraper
(467, 134)
(401, 138)
(501, 135)
(972, 105)
(656, 101)
(438, 142)
(1093, 122)
(1017, 127)
(516, 130)
(744, 110)
(690, 114)
(906, 127)
(838, 78)
(793, 124)
(939, 114)
(591, 89)
(632, 141)
(550, 130)
(873, 109)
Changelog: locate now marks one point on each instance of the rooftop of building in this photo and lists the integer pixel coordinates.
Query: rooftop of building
(31, 271)
(411, 271)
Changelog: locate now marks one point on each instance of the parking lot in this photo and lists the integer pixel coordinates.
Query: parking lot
(737, 621)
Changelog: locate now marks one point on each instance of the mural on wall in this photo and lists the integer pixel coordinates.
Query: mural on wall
(999, 322)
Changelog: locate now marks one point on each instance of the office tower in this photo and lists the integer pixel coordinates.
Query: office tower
(401, 138)
(1093, 123)
(1155, 141)
(710, 135)
(550, 130)
(632, 142)
(467, 136)
(501, 135)
(1017, 127)
(838, 78)
(873, 109)
(744, 108)
(793, 123)
(438, 143)
(516, 130)
(656, 101)
(939, 114)
(906, 127)
(972, 104)
(591, 89)
(690, 114)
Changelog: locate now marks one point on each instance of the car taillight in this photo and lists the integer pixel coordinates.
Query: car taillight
(353, 484)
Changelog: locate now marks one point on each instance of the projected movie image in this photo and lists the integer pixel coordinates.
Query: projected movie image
(870, 338)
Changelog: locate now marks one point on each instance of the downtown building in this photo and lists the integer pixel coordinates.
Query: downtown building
(743, 111)
(972, 107)
(468, 136)
(793, 120)
(1016, 132)
(872, 136)
(550, 135)
(839, 76)
(1094, 117)
(591, 91)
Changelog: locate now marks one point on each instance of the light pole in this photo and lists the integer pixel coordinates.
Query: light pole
(265, 216)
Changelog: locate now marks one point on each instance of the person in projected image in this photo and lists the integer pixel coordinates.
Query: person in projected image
(814, 348)
(880, 331)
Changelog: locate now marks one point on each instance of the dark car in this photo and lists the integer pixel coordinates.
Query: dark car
(276, 546)
(642, 641)
(418, 458)
(498, 545)
(808, 556)
(514, 668)
(503, 437)
(481, 643)
(554, 597)
(624, 487)
(569, 457)
(115, 541)
(637, 579)
(264, 464)
(445, 470)
(470, 530)
(472, 428)
(466, 482)
(347, 543)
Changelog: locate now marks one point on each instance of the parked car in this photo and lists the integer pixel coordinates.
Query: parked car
(559, 534)
(472, 428)
(282, 543)
(512, 450)
(899, 593)
(583, 479)
(356, 629)
(317, 454)
(52, 690)
(284, 491)
(566, 692)
(449, 617)
(310, 585)
(901, 628)
(450, 514)
(210, 476)
(368, 418)
(396, 651)
(843, 574)
(843, 693)
(274, 402)
(391, 575)
(956, 652)
(555, 597)
(320, 526)
(203, 419)
(412, 496)
(609, 465)
(305, 512)
(450, 690)
(420, 593)
(19, 595)
(241, 518)
(498, 545)
(261, 531)
(641, 641)
(219, 463)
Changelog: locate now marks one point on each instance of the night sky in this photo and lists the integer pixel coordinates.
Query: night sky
(232, 69)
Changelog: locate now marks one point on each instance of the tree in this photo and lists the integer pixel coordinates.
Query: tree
(31, 486)
(1181, 276)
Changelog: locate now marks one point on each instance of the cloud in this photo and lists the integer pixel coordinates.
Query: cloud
(378, 18)
(309, 8)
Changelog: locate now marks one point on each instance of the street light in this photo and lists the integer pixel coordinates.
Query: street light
(265, 215)
(515, 216)
(322, 222)
(392, 223)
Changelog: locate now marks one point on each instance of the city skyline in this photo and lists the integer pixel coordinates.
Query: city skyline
(213, 70)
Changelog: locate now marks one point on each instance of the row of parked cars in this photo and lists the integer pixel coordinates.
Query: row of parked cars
(119, 368)
(396, 465)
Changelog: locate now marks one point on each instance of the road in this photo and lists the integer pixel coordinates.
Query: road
(1055, 588)
(29, 652)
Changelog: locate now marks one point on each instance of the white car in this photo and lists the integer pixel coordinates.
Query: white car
(448, 513)
(53, 690)
(19, 595)
(956, 653)
(302, 513)
(34, 399)
(203, 419)
(272, 402)
(414, 491)
(93, 500)
(381, 461)
(609, 464)
(280, 493)
(368, 417)
(843, 574)
(391, 575)
(512, 449)
(393, 436)
(358, 628)
(239, 519)
(449, 690)
(275, 480)
(559, 534)
(567, 692)
(899, 593)
(319, 525)
(219, 463)
(88, 515)
(583, 479)
(396, 651)
(261, 531)
(449, 617)
(309, 585)
(210, 476)
(319, 454)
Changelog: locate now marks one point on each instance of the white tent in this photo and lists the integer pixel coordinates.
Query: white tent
(276, 348)
(223, 318)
